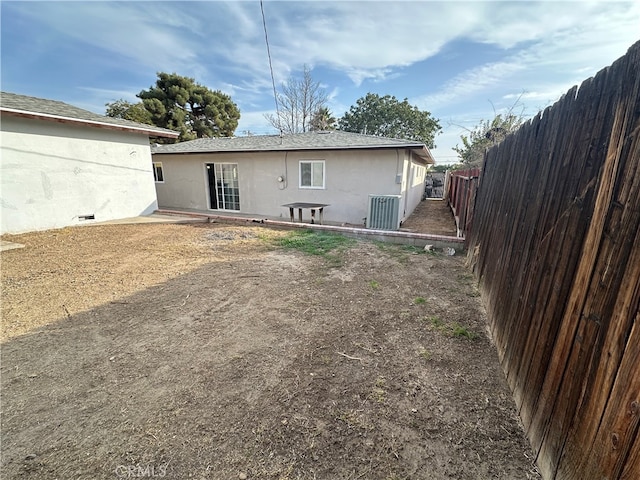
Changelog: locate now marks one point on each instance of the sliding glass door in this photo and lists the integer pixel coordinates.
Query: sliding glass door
(224, 191)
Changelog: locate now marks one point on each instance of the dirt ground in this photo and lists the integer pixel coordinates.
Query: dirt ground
(431, 216)
(208, 351)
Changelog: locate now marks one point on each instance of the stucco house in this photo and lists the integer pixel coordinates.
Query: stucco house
(260, 175)
(61, 165)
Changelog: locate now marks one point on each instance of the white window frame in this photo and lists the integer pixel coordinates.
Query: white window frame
(324, 174)
(156, 166)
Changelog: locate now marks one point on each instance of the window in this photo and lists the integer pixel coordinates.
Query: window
(158, 174)
(312, 174)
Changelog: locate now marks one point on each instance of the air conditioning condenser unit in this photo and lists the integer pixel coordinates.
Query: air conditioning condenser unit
(384, 212)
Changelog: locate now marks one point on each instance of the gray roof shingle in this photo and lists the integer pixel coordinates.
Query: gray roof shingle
(319, 140)
(44, 108)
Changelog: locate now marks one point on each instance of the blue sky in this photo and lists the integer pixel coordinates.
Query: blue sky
(462, 61)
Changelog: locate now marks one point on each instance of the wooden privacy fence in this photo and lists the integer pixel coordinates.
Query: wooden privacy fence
(461, 193)
(555, 244)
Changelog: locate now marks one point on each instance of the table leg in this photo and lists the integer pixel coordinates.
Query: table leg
(321, 209)
(291, 213)
(300, 215)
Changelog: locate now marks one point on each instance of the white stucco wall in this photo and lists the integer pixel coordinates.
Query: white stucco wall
(51, 173)
(350, 176)
(413, 184)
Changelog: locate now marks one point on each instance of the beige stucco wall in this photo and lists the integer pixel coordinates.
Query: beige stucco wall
(350, 176)
(51, 173)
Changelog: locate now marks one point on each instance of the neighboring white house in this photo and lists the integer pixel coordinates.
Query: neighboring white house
(257, 175)
(61, 165)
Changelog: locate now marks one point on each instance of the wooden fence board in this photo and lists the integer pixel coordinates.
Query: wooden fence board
(554, 244)
(631, 470)
(622, 233)
(621, 421)
(590, 433)
(536, 216)
(571, 296)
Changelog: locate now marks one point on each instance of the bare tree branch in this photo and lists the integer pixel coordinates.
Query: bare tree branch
(299, 100)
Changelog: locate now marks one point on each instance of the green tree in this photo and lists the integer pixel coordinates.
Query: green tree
(179, 103)
(441, 168)
(323, 120)
(388, 117)
(299, 101)
(129, 111)
(485, 135)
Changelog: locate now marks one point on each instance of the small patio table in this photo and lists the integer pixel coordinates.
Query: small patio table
(311, 206)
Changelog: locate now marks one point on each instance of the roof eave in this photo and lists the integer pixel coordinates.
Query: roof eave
(76, 121)
(415, 147)
(425, 154)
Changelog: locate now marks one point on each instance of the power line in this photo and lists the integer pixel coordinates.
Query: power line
(273, 81)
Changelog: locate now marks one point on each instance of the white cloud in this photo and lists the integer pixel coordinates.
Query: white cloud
(371, 40)
(363, 40)
(567, 53)
(256, 123)
(545, 96)
(546, 46)
(469, 84)
(155, 37)
(128, 95)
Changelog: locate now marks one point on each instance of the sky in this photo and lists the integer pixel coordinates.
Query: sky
(463, 61)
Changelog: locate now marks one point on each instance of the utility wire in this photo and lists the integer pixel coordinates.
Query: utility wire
(273, 82)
